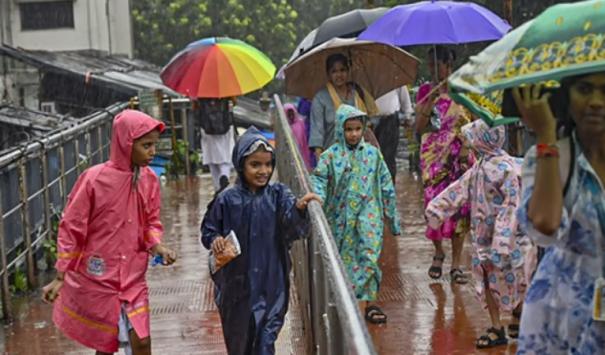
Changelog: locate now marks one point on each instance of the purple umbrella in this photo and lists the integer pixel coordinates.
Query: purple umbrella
(436, 22)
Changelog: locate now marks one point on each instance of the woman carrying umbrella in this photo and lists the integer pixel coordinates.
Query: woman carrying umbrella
(443, 158)
(564, 310)
(339, 90)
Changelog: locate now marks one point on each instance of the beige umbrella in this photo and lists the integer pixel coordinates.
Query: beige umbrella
(377, 67)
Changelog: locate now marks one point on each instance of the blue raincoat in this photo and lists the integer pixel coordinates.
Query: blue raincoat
(252, 291)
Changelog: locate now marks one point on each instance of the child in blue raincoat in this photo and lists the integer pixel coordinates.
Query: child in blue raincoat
(251, 291)
(356, 185)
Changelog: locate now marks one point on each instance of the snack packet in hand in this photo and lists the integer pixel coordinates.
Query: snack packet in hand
(231, 251)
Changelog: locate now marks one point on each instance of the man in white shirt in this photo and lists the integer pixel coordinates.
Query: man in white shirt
(394, 107)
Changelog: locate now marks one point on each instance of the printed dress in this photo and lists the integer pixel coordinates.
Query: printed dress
(441, 163)
(557, 313)
(357, 190)
(492, 186)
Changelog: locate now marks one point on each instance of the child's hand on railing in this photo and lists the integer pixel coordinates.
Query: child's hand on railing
(302, 203)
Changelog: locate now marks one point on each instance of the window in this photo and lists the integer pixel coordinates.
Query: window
(47, 15)
(48, 107)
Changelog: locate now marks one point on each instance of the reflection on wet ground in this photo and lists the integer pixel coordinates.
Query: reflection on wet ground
(184, 319)
(425, 316)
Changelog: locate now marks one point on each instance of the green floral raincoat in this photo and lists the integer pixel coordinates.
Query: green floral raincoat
(356, 187)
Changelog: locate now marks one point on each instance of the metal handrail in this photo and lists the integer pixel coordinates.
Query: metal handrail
(36, 204)
(333, 314)
(56, 139)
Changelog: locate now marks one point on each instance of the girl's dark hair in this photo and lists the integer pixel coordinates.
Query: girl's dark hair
(560, 105)
(336, 58)
(443, 54)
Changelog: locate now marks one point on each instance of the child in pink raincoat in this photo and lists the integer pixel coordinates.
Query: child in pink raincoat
(297, 124)
(110, 226)
(503, 258)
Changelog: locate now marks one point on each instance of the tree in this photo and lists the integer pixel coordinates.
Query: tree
(162, 27)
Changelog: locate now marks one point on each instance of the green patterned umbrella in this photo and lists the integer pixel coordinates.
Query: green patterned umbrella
(565, 40)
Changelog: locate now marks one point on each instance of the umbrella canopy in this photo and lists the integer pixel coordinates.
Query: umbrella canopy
(565, 40)
(347, 25)
(436, 22)
(379, 68)
(218, 67)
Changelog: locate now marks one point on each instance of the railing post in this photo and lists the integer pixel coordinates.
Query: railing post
(47, 211)
(185, 123)
(7, 311)
(77, 153)
(101, 145)
(31, 271)
(62, 180)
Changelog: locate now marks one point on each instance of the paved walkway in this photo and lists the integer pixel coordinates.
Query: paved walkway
(425, 317)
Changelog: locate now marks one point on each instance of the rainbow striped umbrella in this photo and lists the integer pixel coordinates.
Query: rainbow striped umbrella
(218, 67)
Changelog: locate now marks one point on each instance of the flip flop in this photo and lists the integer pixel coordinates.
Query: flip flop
(435, 272)
(375, 315)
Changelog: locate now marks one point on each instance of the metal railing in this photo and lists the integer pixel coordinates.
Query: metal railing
(36, 179)
(332, 320)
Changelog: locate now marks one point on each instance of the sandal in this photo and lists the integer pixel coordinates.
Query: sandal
(513, 328)
(493, 337)
(458, 276)
(436, 271)
(375, 315)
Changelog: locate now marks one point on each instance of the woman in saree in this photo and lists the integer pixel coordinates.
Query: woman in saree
(443, 158)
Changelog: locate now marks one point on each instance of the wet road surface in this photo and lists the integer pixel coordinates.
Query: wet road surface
(425, 316)
(184, 319)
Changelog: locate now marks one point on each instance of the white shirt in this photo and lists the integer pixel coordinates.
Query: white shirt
(395, 101)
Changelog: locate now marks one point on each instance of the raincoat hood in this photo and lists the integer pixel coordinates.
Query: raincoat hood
(291, 108)
(244, 143)
(344, 113)
(486, 140)
(128, 126)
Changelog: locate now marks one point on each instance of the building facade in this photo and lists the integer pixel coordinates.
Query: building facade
(67, 25)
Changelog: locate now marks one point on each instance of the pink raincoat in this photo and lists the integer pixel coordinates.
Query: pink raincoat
(105, 235)
(300, 134)
(501, 253)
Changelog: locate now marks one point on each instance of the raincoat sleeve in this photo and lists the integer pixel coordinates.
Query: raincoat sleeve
(153, 226)
(389, 198)
(506, 218)
(449, 201)
(317, 130)
(321, 176)
(73, 227)
(212, 225)
(293, 223)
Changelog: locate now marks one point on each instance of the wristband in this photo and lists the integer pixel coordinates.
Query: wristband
(547, 150)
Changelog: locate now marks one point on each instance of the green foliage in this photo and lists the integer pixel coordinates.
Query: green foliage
(163, 27)
(20, 283)
(176, 165)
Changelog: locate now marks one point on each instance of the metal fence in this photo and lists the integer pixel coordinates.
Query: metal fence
(332, 320)
(36, 179)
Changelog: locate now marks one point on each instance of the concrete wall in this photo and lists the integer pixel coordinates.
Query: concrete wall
(19, 79)
(92, 29)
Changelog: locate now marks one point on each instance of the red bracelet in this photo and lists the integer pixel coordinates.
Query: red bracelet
(547, 150)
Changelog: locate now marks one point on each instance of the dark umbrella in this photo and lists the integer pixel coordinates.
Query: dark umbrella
(347, 25)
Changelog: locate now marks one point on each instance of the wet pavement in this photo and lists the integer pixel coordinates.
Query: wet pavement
(425, 316)
(184, 319)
